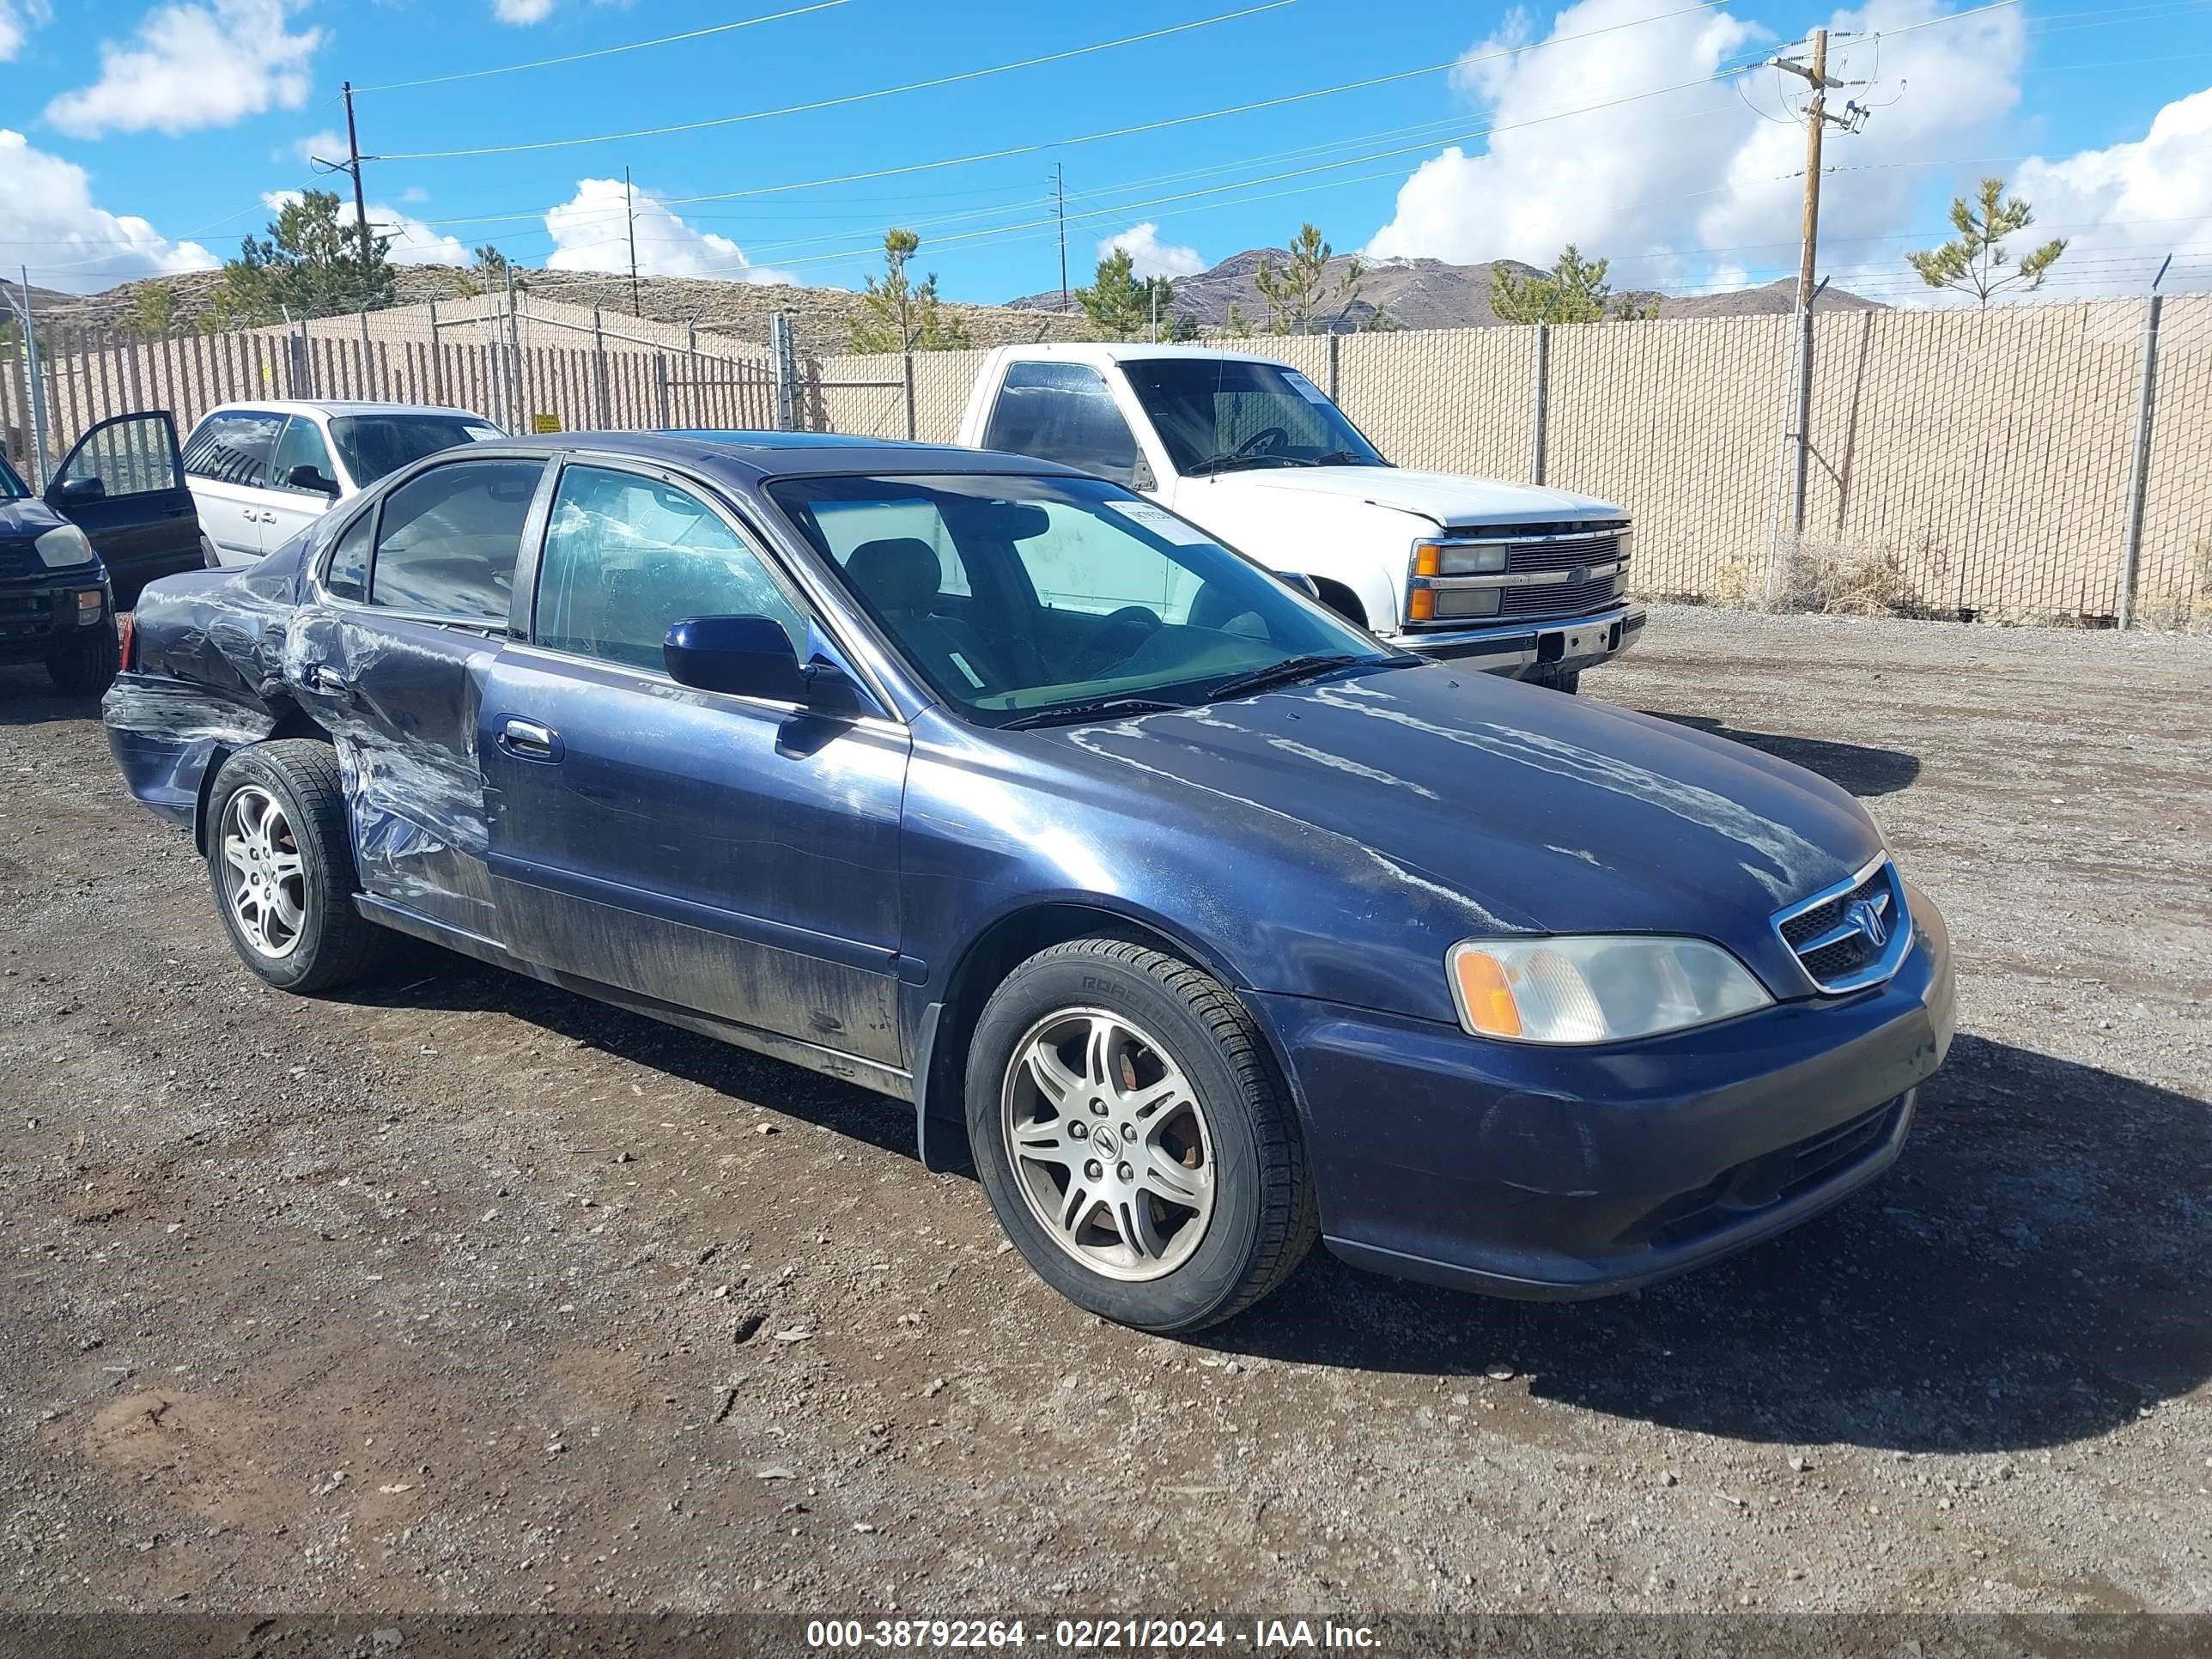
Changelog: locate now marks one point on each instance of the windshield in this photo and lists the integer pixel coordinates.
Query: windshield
(1015, 595)
(11, 487)
(374, 445)
(1217, 415)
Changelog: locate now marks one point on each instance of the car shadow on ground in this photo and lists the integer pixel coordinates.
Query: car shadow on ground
(425, 976)
(27, 697)
(2037, 1269)
(1858, 768)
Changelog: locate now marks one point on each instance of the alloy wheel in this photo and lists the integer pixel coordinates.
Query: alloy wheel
(1109, 1144)
(263, 876)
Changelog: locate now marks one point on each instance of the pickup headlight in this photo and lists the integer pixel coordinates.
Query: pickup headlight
(64, 546)
(1596, 988)
(1432, 557)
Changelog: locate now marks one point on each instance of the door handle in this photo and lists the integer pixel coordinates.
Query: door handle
(321, 677)
(528, 740)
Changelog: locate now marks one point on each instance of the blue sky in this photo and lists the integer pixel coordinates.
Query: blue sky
(138, 136)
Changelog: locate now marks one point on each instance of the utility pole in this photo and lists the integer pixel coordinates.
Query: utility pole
(629, 208)
(1817, 119)
(360, 196)
(1059, 202)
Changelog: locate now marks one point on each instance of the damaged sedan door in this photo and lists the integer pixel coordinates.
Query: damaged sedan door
(724, 856)
(391, 656)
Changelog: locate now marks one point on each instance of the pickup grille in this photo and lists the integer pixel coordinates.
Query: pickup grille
(1555, 551)
(1851, 936)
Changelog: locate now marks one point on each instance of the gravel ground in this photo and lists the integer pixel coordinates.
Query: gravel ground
(465, 1293)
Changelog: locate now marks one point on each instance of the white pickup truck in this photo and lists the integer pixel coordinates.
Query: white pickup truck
(1515, 579)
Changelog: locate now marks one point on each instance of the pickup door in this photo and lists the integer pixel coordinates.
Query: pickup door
(123, 486)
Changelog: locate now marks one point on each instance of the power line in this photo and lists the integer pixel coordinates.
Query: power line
(847, 98)
(602, 51)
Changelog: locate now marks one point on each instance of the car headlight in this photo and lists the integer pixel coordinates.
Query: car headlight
(1595, 988)
(64, 546)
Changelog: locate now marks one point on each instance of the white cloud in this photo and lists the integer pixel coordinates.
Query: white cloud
(1679, 187)
(324, 146)
(1150, 256)
(48, 222)
(193, 65)
(412, 242)
(591, 232)
(522, 12)
(17, 19)
(2143, 198)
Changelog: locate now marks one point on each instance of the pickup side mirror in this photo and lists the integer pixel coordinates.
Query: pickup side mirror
(77, 491)
(742, 656)
(1298, 578)
(310, 477)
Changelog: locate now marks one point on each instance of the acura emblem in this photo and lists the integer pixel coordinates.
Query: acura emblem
(1866, 916)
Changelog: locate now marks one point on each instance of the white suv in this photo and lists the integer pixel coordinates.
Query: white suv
(262, 472)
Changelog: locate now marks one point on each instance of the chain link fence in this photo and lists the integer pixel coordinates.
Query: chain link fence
(1977, 464)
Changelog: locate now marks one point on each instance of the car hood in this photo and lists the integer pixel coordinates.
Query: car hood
(27, 519)
(1534, 810)
(1445, 498)
(22, 524)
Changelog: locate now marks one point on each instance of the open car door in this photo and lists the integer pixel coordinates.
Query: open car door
(123, 486)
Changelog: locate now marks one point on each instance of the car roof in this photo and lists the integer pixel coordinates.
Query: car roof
(756, 455)
(339, 406)
(1096, 351)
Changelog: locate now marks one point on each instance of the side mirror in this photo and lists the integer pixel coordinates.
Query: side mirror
(742, 656)
(93, 488)
(1298, 578)
(310, 477)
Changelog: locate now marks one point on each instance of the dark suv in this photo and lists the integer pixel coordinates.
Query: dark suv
(116, 515)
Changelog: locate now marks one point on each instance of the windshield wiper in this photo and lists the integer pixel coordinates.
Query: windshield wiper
(1340, 458)
(1098, 709)
(1290, 669)
(1213, 463)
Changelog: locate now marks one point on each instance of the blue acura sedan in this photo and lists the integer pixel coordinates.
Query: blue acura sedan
(1198, 921)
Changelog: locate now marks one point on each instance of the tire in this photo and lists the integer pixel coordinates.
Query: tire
(1567, 683)
(306, 855)
(1226, 1144)
(87, 666)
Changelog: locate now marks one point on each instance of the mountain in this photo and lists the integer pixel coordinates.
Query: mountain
(1433, 294)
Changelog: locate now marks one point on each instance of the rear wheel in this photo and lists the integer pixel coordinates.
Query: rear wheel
(1133, 1139)
(280, 860)
(87, 666)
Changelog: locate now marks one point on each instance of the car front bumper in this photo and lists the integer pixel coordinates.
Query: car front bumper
(1558, 1172)
(40, 618)
(1522, 649)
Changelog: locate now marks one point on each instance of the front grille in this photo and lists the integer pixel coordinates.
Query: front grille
(1852, 936)
(1845, 1143)
(1773, 1177)
(21, 559)
(25, 615)
(1559, 598)
(1555, 549)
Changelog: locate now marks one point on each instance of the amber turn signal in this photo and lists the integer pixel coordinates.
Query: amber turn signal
(1484, 995)
(1421, 606)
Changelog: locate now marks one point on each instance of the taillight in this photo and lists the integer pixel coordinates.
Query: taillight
(126, 637)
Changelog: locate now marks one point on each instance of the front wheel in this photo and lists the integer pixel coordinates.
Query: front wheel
(1133, 1137)
(280, 860)
(88, 665)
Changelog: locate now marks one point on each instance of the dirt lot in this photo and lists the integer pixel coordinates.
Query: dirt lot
(467, 1293)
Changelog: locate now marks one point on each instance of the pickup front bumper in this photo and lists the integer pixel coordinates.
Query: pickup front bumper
(1521, 650)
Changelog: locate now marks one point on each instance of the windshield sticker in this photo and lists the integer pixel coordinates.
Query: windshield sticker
(1163, 524)
(961, 663)
(1305, 388)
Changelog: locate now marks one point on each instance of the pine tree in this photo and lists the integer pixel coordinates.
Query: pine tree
(1975, 261)
(896, 314)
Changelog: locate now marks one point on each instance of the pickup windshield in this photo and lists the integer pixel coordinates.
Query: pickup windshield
(1030, 600)
(1222, 415)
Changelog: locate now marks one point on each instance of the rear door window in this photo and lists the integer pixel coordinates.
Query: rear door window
(235, 447)
(447, 541)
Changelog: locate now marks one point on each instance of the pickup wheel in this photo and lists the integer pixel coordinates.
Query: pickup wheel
(280, 860)
(87, 666)
(1134, 1138)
